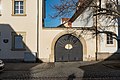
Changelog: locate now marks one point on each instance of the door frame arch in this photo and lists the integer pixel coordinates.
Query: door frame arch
(52, 55)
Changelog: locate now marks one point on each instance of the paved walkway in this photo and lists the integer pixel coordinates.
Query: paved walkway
(95, 70)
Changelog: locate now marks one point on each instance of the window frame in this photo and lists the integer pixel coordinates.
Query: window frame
(109, 39)
(24, 8)
(110, 45)
(14, 34)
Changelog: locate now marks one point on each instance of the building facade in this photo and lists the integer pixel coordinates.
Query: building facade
(23, 36)
(18, 31)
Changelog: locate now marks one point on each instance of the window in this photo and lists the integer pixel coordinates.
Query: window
(109, 39)
(18, 41)
(18, 7)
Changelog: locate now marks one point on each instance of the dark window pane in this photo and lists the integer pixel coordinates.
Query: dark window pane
(16, 7)
(111, 42)
(18, 42)
(16, 11)
(21, 7)
(21, 2)
(21, 11)
(16, 3)
(107, 42)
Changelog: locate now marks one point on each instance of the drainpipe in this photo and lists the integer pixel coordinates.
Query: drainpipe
(118, 40)
(96, 39)
(37, 31)
(97, 31)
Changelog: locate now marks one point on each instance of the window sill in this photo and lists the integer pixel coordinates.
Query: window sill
(19, 14)
(110, 45)
(18, 49)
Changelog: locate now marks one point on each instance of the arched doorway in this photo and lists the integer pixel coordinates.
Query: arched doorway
(68, 48)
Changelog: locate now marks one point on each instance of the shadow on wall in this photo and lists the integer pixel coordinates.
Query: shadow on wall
(13, 48)
(13, 45)
(111, 68)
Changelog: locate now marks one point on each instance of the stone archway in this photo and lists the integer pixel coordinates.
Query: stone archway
(52, 55)
(68, 48)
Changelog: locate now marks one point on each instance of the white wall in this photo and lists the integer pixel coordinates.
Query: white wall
(46, 37)
(84, 20)
(11, 23)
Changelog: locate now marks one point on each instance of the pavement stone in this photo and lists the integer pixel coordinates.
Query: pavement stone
(95, 70)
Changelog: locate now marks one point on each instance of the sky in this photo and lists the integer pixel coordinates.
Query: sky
(49, 22)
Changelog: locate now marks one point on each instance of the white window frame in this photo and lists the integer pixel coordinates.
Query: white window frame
(19, 5)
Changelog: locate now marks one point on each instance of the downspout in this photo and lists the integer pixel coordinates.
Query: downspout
(96, 40)
(97, 32)
(118, 40)
(37, 31)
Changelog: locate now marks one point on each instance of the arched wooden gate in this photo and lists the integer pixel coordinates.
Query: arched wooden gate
(68, 48)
